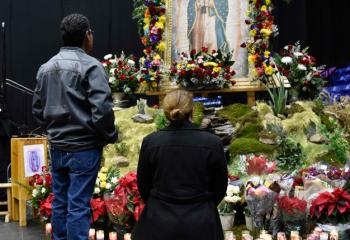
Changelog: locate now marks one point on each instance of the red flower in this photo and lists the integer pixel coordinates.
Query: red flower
(193, 51)
(46, 206)
(122, 77)
(48, 180)
(39, 181)
(213, 51)
(204, 49)
(292, 206)
(138, 211)
(98, 208)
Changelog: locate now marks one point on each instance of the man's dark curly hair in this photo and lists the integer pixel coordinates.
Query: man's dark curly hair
(73, 29)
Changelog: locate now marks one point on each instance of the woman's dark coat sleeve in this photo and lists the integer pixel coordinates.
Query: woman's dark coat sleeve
(144, 172)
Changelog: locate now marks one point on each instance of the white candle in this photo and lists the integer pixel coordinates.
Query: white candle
(324, 236)
(334, 235)
(294, 235)
(100, 235)
(48, 228)
(112, 236)
(281, 236)
(127, 236)
(92, 233)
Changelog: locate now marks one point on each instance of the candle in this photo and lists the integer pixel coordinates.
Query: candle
(324, 236)
(281, 236)
(48, 230)
(127, 236)
(246, 237)
(333, 235)
(318, 231)
(92, 233)
(112, 236)
(294, 235)
(100, 235)
(229, 235)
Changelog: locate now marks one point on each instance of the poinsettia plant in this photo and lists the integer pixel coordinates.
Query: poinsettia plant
(122, 73)
(125, 205)
(98, 208)
(203, 70)
(259, 165)
(301, 70)
(41, 191)
(331, 207)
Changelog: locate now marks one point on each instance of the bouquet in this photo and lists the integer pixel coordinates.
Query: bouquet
(124, 205)
(232, 197)
(122, 73)
(300, 69)
(331, 207)
(293, 213)
(259, 165)
(151, 74)
(98, 208)
(107, 180)
(42, 193)
(203, 70)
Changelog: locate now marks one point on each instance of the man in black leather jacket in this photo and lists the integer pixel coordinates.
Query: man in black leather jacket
(73, 102)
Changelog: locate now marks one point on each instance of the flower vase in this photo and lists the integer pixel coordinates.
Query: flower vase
(227, 220)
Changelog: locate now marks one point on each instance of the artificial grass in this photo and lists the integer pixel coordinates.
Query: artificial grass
(238, 113)
(198, 113)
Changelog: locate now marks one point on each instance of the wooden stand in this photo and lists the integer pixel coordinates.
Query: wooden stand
(19, 193)
(242, 85)
(8, 213)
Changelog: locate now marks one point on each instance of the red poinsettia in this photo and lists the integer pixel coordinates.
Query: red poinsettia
(46, 207)
(331, 206)
(292, 205)
(259, 165)
(98, 208)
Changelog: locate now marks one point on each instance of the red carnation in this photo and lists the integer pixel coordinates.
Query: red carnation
(39, 181)
(193, 51)
(122, 77)
(204, 49)
(131, 78)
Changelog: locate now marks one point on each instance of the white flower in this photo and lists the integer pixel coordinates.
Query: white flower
(232, 190)
(287, 60)
(112, 71)
(97, 181)
(215, 54)
(104, 64)
(114, 180)
(108, 186)
(113, 61)
(108, 56)
(111, 79)
(43, 190)
(131, 62)
(298, 54)
(35, 192)
(302, 67)
(97, 190)
(232, 199)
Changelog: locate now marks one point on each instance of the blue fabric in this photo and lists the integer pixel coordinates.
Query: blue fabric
(74, 176)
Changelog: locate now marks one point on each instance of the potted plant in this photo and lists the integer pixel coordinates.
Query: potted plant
(203, 70)
(226, 207)
(331, 210)
(293, 214)
(122, 73)
(248, 219)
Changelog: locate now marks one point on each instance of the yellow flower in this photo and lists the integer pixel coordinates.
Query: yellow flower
(269, 70)
(191, 66)
(267, 184)
(267, 54)
(251, 58)
(162, 19)
(154, 84)
(179, 65)
(146, 27)
(161, 46)
(103, 184)
(266, 32)
(144, 83)
(104, 169)
(217, 69)
(268, 2)
(147, 20)
(102, 176)
(255, 73)
(252, 32)
(159, 25)
(210, 64)
(263, 8)
(156, 57)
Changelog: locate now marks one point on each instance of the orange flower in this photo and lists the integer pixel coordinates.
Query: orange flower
(147, 13)
(144, 41)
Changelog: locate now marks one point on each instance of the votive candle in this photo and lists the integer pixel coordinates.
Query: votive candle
(294, 235)
(281, 236)
(127, 236)
(48, 230)
(100, 235)
(324, 236)
(112, 236)
(92, 233)
(229, 235)
(333, 235)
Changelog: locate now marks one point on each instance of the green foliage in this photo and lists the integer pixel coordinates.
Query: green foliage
(198, 113)
(238, 113)
(121, 149)
(250, 130)
(290, 155)
(138, 14)
(160, 119)
(295, 108)
(326, 121)
(278, 95)
(337, 141)
(319, 106)
(250, 145)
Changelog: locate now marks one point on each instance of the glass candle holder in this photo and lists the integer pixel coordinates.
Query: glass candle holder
(92, 234)
(100, 235)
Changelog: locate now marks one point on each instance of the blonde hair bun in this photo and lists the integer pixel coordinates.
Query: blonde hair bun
(178, 105)
(175, 115)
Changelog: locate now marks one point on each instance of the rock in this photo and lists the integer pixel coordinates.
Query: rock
(317, 138)
(122, 161)
(225, 130)
(205, 123)
(142, 118)
(271, 119)
(208, 111)
(268, 141)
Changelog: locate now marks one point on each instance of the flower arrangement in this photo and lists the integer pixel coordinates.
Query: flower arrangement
(42, 193)
(107, 180)
(98, 208)
(292, 208)
(203, 70)
(231, 199)
(124, 205)
(151, 73)
(259, 165)
(261, 28)
(300, 68)
(331, 207)
(122, 73)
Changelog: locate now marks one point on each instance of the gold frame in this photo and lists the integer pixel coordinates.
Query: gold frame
(169, 38)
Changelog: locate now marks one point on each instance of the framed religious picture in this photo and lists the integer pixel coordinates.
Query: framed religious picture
(214, 24)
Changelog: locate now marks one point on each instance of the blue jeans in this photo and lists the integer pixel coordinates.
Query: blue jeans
(74, 176)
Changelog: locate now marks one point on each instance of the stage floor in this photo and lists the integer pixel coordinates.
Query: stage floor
(12, 231)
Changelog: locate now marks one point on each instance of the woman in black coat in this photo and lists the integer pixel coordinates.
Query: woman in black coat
(182, 177)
